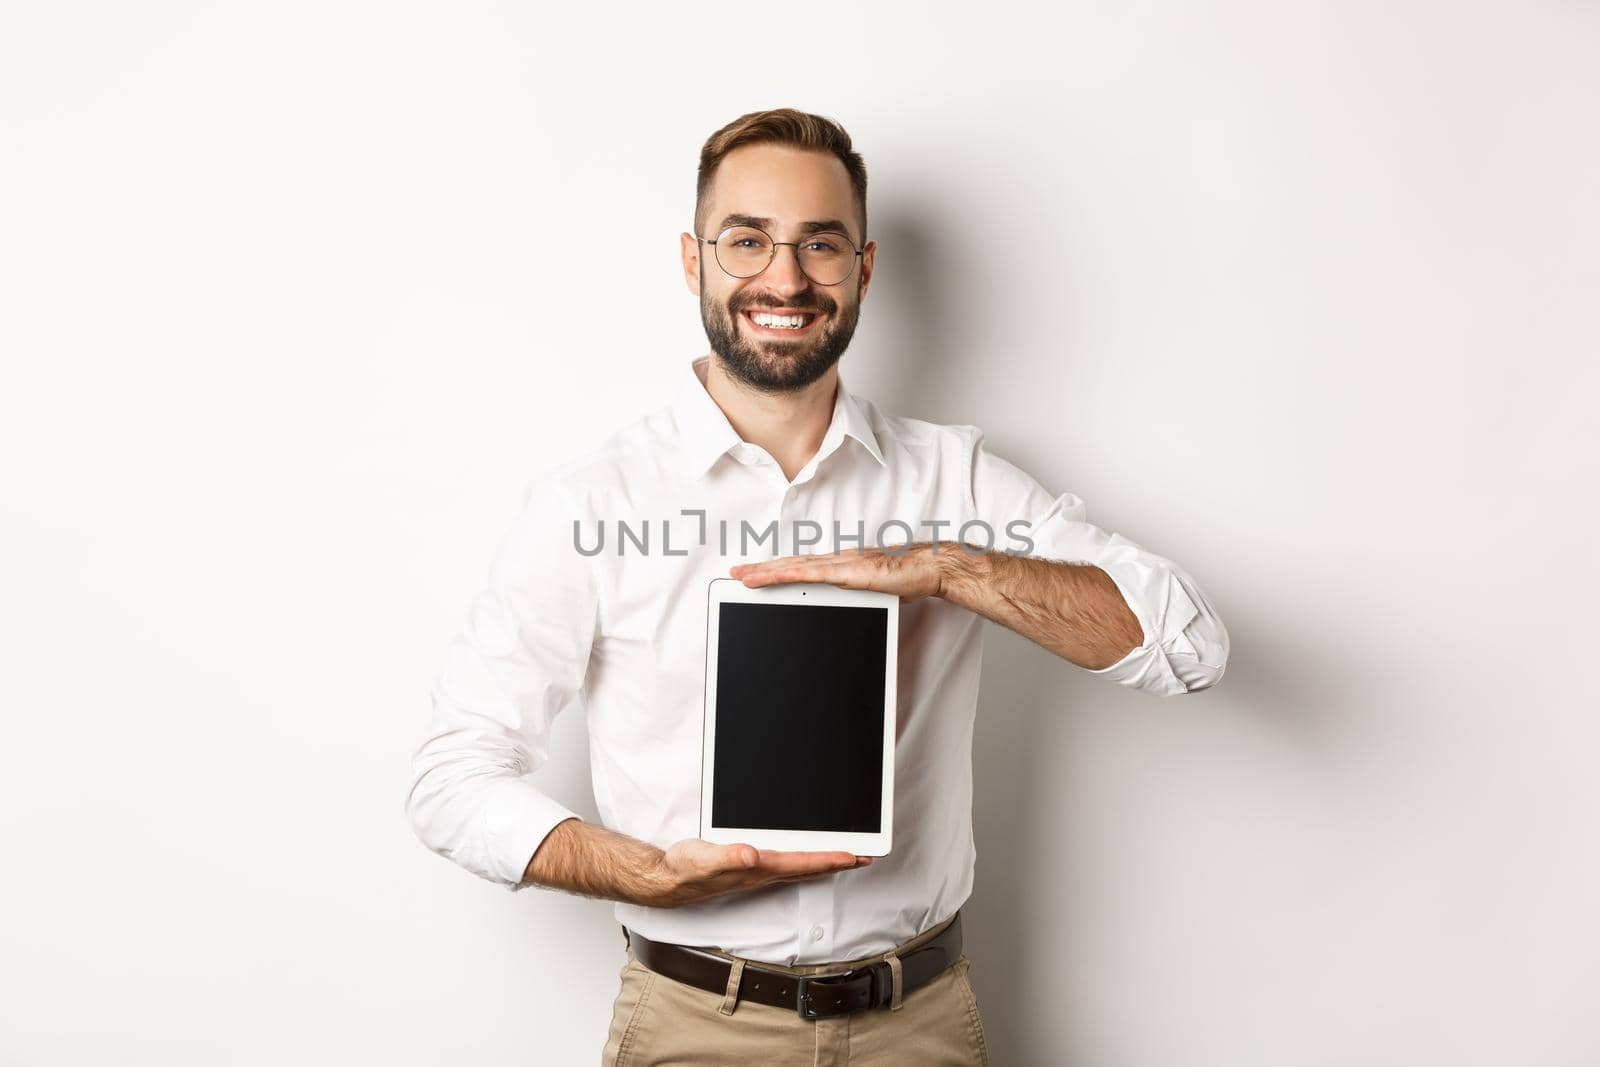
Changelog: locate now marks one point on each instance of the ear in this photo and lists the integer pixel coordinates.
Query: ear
(689, 249)
(867, 255)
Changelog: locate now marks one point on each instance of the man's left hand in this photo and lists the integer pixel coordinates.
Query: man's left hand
(909, 571)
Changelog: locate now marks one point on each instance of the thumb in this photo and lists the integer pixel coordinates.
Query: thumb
(704, 857)
(736, 857)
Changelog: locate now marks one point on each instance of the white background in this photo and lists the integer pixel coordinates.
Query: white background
(294, 298)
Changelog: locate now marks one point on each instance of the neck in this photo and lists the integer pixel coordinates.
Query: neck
(788, 425)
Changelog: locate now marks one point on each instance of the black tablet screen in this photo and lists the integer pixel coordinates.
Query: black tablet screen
(799, 741)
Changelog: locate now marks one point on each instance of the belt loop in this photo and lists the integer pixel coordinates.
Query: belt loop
(731, 997)
(895, 982)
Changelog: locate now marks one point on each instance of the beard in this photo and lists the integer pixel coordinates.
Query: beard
(774, 365)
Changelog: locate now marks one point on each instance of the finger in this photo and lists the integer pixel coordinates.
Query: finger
(823, 559)
(840, 572)
(785, 863)
(740, 570)
(789, 563)
(861, 861)
(776, 561)
(758, 579)
(803, 557)
(808, 858)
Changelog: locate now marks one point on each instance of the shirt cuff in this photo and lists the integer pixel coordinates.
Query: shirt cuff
(1162, 607)
(516, 820)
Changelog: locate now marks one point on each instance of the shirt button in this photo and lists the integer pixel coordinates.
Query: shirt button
(816, 933)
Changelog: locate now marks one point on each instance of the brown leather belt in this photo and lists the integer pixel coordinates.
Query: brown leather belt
(812, 996)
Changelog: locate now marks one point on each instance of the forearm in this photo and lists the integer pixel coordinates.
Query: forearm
(593, 861)
(1073, 609)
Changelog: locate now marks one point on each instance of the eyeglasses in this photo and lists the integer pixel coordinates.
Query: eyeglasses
(745, 251)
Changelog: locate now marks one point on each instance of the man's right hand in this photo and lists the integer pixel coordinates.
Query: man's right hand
(694, 870)
(597, 862)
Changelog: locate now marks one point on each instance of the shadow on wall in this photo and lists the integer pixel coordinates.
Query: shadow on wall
(1030, 933)
(916, 309)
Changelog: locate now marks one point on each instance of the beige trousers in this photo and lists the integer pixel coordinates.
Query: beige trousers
(656, 1021)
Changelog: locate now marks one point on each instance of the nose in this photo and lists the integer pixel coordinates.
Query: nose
(783, 275)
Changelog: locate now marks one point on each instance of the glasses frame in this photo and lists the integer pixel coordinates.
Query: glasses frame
(775, 246)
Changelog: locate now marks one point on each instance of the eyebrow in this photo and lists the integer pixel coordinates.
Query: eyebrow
(810, 226)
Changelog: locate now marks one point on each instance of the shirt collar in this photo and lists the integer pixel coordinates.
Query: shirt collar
(707, 433)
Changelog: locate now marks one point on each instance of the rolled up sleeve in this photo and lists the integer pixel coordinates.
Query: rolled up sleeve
(1185, 647)
(517, 662)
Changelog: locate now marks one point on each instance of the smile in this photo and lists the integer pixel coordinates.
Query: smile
(779, 324)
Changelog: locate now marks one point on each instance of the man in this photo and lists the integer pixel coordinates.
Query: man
(723, 943)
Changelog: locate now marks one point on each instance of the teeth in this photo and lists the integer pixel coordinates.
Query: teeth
(791, 322)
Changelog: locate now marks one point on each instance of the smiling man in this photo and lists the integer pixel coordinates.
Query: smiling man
(738, 955)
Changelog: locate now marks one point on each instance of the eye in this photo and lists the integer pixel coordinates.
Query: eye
(825, 244)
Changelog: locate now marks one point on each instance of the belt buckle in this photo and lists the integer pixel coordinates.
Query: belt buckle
(802, 993)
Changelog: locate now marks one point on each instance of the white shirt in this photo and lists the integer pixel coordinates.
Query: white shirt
(626, 629)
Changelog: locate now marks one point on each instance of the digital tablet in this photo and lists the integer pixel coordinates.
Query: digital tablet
(799, 717)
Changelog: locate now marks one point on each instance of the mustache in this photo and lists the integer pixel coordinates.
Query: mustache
(824, 305)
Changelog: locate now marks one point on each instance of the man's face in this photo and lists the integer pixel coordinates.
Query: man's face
(793, 190)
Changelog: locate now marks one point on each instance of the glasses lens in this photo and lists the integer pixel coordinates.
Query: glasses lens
(744, 251)
(827, 258)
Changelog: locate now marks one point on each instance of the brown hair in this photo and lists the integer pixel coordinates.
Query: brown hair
(784, 126)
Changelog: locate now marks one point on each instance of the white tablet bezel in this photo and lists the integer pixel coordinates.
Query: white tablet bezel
(732, 591)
